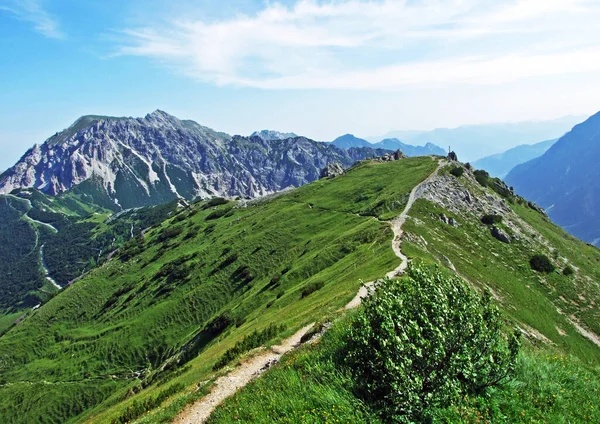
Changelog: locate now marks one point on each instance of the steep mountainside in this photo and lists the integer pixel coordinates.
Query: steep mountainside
(46, 242)
(132, 162)
(148, 331)
(565, 181)
(348, 141)
(499, 165)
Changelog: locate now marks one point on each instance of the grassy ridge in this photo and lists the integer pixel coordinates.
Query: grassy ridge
(525, 295)
(558, 376)
(111, 333)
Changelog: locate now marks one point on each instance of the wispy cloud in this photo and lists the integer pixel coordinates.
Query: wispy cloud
(370, 44)
(33, 12)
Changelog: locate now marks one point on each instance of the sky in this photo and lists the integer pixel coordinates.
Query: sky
(316, 68)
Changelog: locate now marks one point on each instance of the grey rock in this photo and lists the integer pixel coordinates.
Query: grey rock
(448, 220)
(132, 162)
(498, 234)
(399, 155)
(332, 170)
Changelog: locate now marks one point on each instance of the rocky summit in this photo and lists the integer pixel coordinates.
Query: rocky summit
(130, 162)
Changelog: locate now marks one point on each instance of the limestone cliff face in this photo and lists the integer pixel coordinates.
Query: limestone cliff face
(133, 162)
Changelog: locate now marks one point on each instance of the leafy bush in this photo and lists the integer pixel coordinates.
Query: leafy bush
(482, 177)
(491, 219)
(425, 342)
(568, 271)
(311, 288)
(541, 263)
(457, 171)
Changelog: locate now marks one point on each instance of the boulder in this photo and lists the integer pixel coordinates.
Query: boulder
(332, 170)
(498, 234)
(448, 220)
(399, 155)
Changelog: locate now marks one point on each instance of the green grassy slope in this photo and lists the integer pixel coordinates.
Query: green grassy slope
(542, 302)
(558, 374)
(75, 235)
(149, 325)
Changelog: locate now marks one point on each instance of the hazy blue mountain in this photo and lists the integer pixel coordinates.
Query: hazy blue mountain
(473, 142)
(566, 181)
(500, 164)
(409, 150)
(348, 140)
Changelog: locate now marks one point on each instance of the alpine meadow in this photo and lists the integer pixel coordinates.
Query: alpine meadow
(258, 254)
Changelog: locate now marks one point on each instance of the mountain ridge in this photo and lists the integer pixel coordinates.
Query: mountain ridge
(347, 141)
(132, 162)
(564, 180)
(500, 164)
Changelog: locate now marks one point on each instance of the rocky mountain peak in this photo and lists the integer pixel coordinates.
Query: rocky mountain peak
(130, 162)
(270, 135)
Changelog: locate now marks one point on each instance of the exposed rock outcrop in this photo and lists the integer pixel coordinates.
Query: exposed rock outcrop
(131, 162)
(332, 170)
(498, 234)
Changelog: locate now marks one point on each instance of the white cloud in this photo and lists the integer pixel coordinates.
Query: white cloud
(360, 44)
(33, 12)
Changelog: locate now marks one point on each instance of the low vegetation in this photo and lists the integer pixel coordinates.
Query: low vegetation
(249, 342)
(318, 383)
(491, 219)
(541, 263)
(457, 171)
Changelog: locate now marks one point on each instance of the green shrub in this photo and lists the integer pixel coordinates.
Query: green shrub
(482, 177)
(457, 171)
(169, 233)
(311, 288)
(425, 342)
(491, 219)
(568, 271)
(541, 263)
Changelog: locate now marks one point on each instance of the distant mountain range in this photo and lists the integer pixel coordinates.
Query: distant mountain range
(564, 181)
(122, 163)
(473, 142)
(348, 141)
(499, 165)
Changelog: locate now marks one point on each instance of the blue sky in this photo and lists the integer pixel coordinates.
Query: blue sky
(318, 68)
